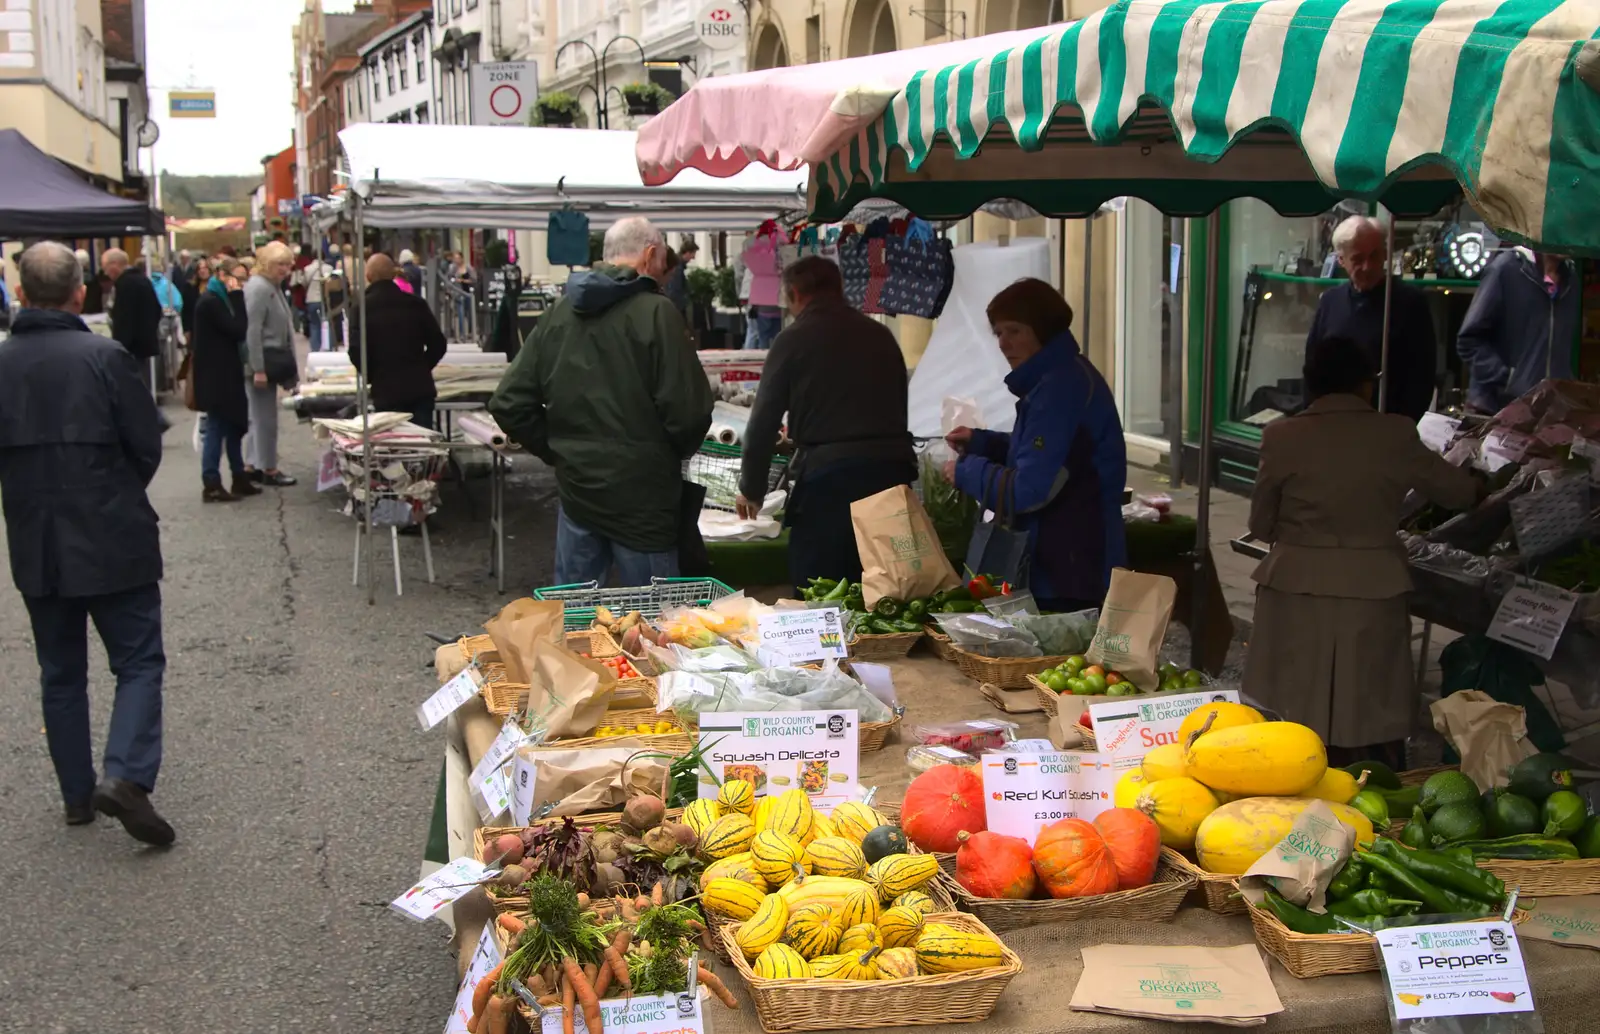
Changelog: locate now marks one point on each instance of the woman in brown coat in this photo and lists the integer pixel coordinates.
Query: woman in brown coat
(1331, 647)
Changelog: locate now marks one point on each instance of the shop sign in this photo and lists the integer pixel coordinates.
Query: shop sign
(449, 696)
(817, 751)
(192, 103)
(1531, 616)
(1131, 727)
(444, 885)
(1457, 970)
(720, 25)
(798, 636)
(657, 1014)
(1025, 792)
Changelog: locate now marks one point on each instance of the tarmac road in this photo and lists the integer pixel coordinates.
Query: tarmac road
(296, 774)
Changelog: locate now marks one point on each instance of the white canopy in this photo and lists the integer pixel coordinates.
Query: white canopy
(511, 177)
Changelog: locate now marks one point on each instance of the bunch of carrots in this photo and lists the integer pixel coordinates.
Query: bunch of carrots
(564, 954)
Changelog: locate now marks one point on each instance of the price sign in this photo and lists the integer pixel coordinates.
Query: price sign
(1024, 793)
(656, 1014)
(523, 772)
(449, 696)
(798, 636)
(512, 736)
(491, 793)
(1458, 970)
(485, 958)
(1532, 616)
(1503, 447)
(817, 751)
(423, 901)
(1131, 727)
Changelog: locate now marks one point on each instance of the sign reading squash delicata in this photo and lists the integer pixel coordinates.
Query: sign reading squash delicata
(815, 751)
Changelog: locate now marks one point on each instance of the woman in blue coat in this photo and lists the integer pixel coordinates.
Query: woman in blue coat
(1059, 474)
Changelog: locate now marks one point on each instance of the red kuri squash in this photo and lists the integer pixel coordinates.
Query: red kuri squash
(1072, 860)
(991, 865)
(939, 804)
(1135, 844)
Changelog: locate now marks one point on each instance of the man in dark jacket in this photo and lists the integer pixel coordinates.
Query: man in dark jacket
(608, 391)
(1354, 310)
(84, 539)
(135, 309)
(405, 343)
(1520, 328)
(841, 377)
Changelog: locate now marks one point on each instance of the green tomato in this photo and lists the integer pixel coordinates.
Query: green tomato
(1055, 680)
(1171, 684)
(1192, 678)
(1121, 689)
(1075, 663)
(1096, 684)
(1078, 687)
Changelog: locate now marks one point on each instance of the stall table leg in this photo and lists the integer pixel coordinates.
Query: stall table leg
(394, 548)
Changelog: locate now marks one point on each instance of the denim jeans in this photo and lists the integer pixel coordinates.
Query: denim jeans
(129, 624)
(314, 325)
(752, 339)
(767, 327)
(219, 432)
(583, 556)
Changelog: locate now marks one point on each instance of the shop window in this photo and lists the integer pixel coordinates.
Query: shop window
(1150, 329)
(419, 47)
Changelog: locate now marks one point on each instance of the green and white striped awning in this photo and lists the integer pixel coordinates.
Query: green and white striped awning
(1298, 102)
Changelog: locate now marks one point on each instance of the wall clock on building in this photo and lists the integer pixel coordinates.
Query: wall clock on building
(148, 133)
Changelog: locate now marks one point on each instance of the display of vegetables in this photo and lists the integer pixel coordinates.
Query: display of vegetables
(1077, 676)
(1070, 858)
(890, 615)
(1533, 817)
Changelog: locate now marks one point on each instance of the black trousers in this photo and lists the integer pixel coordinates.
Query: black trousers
(822, 543)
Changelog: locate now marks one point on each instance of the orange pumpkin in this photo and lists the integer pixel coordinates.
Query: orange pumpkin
(1134, 841)
(991, 865)
(941, 803)
(1073, 861)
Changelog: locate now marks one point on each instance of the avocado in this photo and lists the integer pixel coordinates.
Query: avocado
(882, 842)
(1460, 820)
(1508, 814)
(1541, 775)
(1379, 775)
(1449, 787)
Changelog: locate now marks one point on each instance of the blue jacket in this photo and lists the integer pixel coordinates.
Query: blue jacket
(1506, 337)
(167, 292)
(1070, 466)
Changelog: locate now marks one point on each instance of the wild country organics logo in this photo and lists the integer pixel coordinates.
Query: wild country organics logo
(1564, 927)
(752, 728)
(1179, 984)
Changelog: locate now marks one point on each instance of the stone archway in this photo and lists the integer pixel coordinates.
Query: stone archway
(871, 29)
(770, 51)
(1005, 15)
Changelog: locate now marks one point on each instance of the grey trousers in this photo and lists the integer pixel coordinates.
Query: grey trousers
(263, 442)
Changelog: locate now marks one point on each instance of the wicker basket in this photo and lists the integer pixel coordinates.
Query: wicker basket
(940, 644)
(1418, 776)
(1216, 890)
(873, 735)
(883, 647)
(505, 698)
(1005, 672)
(1322, 955)
(1547, 879)
(1158, 902)
(677, 743)
(594, 820)
(1049, 699)
(795, 1005)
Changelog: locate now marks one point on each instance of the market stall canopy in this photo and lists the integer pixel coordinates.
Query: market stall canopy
(42, 197)
(1297, 102)
(508, 177)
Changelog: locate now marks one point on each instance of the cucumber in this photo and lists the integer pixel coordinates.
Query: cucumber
(1541, 775)
(1529, 848)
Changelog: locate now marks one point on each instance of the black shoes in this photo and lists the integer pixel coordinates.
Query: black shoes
(276, 479)
(79, 814)
(130, 805)
(243, 486)
(215, 493)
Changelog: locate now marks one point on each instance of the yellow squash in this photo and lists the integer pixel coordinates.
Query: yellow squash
(1233, 836)
(781, 962)
(1126, 793)
(897, 963)
(1268, 759)
(1336, 785)
(1163, 762)
(855, 820)
(738, 867)
(700, 814)
(763, 929)
(1177, 806)
(1228, 715)
(734, 899)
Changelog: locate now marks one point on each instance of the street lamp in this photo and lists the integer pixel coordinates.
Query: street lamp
(598, 78)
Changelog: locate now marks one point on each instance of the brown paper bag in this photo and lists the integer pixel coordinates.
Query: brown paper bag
(519, 625)
(1303, 863)
(1572, 921)
(900, 551)
(567, 694)
(1490, 736)
(579, 781)
(1065, 732)
(1133, 624)
(1177, 983)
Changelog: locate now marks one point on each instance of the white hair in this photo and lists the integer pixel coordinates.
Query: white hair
(82, 257)
(1345, 233)
(627, 239)
(407, 256)
(49, 275)
(114, 257)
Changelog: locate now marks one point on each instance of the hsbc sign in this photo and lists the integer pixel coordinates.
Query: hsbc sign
(720, 25)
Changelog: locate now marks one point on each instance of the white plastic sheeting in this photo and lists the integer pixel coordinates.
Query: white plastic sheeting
(508, 177)
(962, 359)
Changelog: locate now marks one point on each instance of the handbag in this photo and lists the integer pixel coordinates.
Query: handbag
(921, 271)
(693, 560)
(854, 268)
(280, 366)
(998, 549)
(186, 377)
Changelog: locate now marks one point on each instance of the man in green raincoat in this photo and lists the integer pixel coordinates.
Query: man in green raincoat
(608, 391)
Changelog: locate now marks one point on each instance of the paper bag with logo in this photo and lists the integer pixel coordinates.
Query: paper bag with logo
(567, 694)
(900, 551)
(1177, 983)
(1133, 624)
(519, 625)
(1065, 732)
(578, 781)
(1490, 736)
(1304, 862)
(1571, 921)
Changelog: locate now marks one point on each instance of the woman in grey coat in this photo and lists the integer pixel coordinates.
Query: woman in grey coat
(270, 360)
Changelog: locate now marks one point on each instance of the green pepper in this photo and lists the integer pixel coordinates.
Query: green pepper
(1368, 903)
(903, 625)
(1529, 847)
(888, 607)
(963, 607)
(823, 585)
(957, 594)
(1434, 900)
(1348, 880)
(1297, 918)
(839, 590)
(1415, 832)
(916, 610)
(1445, 872)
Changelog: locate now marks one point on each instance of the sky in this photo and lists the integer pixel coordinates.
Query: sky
(245, 52)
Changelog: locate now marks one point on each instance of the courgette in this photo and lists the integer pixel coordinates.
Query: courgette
(1529, 847)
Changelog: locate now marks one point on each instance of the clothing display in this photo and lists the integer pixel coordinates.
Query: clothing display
(568, 239)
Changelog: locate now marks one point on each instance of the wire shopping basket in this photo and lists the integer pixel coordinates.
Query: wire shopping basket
(716, 468)
(579, 600)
